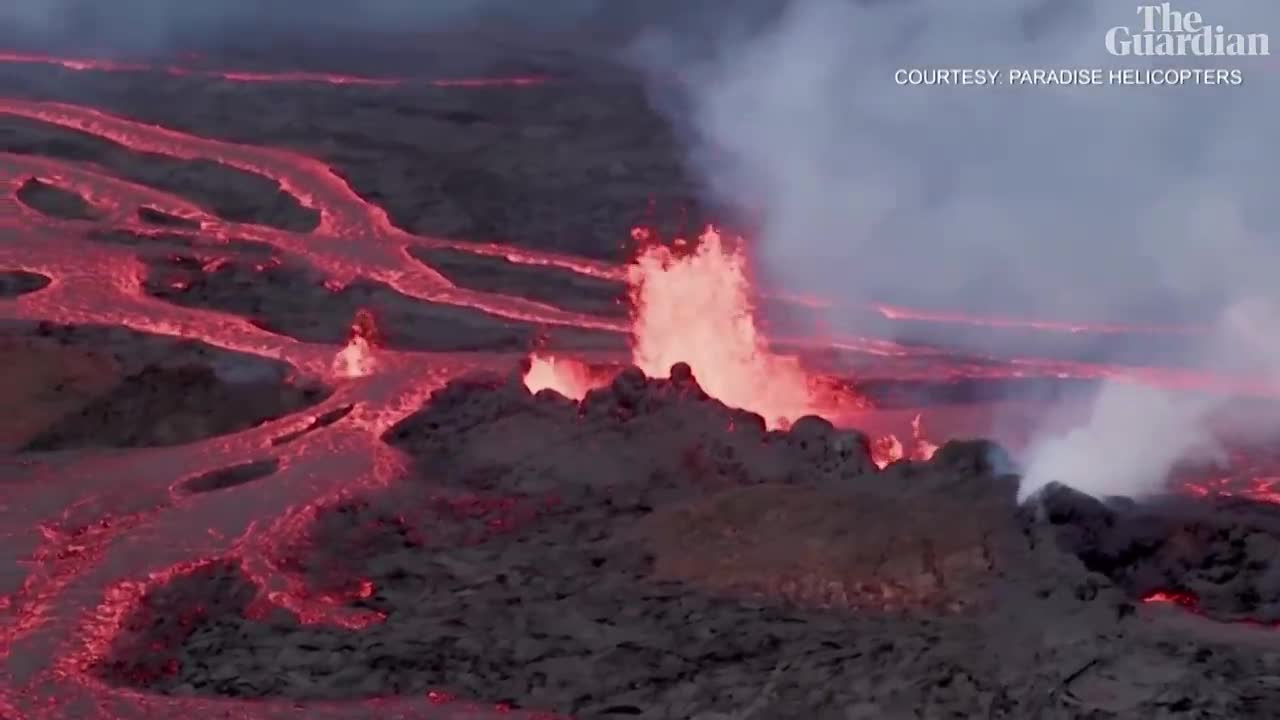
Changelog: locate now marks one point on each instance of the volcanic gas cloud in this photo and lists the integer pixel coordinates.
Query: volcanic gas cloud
(1130, 204)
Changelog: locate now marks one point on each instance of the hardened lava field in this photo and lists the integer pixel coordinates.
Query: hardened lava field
(338, 396)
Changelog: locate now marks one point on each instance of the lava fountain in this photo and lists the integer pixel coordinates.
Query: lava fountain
(693, 303)
(695, 306)
(355, 359)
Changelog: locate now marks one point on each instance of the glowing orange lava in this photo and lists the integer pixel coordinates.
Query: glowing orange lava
(245, 76)
(1263, 488)
(569, 377)
(888, 449)
(696, 306)
(355, 359)
(1172, 598)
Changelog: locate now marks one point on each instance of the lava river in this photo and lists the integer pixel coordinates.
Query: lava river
(86, 534)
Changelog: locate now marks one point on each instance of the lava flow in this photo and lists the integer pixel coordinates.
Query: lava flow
(247, 76)
(132, 523)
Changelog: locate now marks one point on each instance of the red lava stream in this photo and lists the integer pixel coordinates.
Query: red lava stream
(94, 530)
(246, 76)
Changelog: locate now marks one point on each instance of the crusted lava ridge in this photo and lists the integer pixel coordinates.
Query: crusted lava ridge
(1219, 555)
(651, 552)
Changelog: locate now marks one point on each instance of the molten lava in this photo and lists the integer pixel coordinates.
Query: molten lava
(567, 376)
(245, 76)
(355, 360)
(693, 304)
(1172, 598)
(888, 449)
(696, 306)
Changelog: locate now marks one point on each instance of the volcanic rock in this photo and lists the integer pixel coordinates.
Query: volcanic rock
(293, 300)
(835, 453)
(153, 216)
(54, 201)
(651, 552)
(555, 286)
(170, 406)
(832, 547)
(231, 193)
(47, 380)
(1221, 555)
(19, 282)
(230, 477)
(637, 434)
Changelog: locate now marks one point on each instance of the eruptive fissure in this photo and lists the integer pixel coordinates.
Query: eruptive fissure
(237, 516)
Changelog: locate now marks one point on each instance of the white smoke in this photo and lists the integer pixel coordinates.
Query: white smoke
(1124, 203)
(1131, 441)
(1135, 435)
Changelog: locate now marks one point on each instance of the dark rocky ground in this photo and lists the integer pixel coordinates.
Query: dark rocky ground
(288, 300)
(52, 200)
(229, 193)
(656, 554)
(561, 288)
(77, 386)
(16, 282)
(570, 165)
(649, 553)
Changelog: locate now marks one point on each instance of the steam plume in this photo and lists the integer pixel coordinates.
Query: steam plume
(1125, 203)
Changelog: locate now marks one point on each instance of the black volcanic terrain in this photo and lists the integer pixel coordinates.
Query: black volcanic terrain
(269, 453)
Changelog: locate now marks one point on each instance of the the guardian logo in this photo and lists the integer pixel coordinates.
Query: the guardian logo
(1166, 32)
